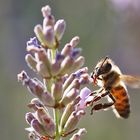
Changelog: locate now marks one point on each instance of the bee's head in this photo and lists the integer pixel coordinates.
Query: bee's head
(103, 67)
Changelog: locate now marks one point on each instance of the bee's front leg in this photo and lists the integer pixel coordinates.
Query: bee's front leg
(96, 95)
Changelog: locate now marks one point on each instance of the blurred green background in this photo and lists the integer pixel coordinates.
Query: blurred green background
(104, 29)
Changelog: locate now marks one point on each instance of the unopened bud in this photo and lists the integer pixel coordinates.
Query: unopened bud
(69, 81)
(76, 52)
(56, 90)
(48, 21)
(77, 136)
(69, 96)
(49, 35)
(67, 112)
(33, 85)
(35, 104)
(31, 62)
(59, 29)
(47, 99)
(74, 84)
(40, 35)
(66, 65)
(66, 50)
(85, 79)
(38, 127)
(55, 68)
(23, 77)
(46, 11)
(42, 69)
(46, 121)
(29, 117)
(79, 62)
(72, 121)
(75, 41)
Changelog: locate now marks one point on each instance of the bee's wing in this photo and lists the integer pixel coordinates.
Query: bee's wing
(131, 81)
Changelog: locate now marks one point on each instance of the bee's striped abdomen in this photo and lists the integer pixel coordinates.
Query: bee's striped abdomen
(121, 105)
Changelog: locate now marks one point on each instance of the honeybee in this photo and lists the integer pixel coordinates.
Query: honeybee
(112, 82)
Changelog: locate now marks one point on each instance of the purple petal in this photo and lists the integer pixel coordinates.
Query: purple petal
(59, 57)
(75, 52)
(33, 41)
(85, 92)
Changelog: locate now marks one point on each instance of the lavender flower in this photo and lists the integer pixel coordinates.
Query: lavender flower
(60, 88)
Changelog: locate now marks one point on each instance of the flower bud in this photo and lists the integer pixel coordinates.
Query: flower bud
(29, 117)
(32, 49)
(67, 112)
(66, 65)
(48, 21)
(59, 29)
(49, 35)
(31, 62)
(59, 58)
(38, 127)
(75, 41)
(56, 90)
(72, 121)
(79, 62)
(85, 79)
(74, 84)
(31, 135)
(81, 71)
(69, 81)
(42, 69)
(46, 11)
(66, 50)
(40, 35)
(47, 99)
(23, 77)
(76, 52)
(55, 67)
(69, 96)
(35, 104)
(77, 136)
(41, 55)
(33, 85)
(46, 121)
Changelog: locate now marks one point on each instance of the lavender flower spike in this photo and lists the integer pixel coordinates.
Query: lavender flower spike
(59, 88)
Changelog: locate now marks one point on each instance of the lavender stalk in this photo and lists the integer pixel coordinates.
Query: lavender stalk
(60, 89)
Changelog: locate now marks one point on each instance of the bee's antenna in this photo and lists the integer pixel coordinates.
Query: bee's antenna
(104, 61)
(96, 74)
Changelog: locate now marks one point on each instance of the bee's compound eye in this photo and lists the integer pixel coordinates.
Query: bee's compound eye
(108, 67)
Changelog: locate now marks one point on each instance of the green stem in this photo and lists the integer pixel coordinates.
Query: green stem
(56, 110)
(56, 115)
(53, 53)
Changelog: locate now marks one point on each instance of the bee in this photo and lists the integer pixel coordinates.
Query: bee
(113, 83)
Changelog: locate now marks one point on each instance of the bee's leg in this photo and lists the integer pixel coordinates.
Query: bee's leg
(105, 105)
(96, 97)
(97, 91)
